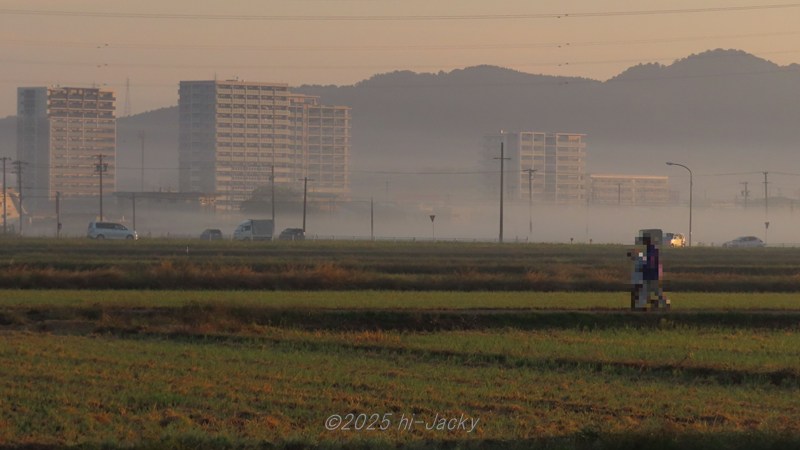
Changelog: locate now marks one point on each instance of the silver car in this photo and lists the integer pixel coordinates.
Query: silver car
(745, 241)
(110, 230)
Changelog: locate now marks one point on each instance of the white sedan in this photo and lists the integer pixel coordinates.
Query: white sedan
(745, 241)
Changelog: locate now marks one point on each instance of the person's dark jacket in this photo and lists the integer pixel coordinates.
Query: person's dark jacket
(650, 270)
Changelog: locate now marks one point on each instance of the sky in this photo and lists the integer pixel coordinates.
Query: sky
(146, 47)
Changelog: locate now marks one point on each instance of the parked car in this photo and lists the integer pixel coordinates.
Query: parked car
(211, 234)
(292, 234)
(109, 230)
(677, 240)
(745, 241)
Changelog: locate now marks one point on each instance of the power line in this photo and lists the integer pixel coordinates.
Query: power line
(726, 174)
(400, 172)
(380, 48)
(162, 66)
(378, 18)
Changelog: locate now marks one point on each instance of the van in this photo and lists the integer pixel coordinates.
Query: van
(110, 230)
(253, 230)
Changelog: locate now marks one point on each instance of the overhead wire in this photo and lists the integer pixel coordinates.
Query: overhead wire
(391, 17)
(381, 48)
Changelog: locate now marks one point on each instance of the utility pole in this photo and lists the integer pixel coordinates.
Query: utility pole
(133, 202)
(126, 110)
(766, 208)
(58, 214)
(5, 197)
(766, 197)
(371, 219)
(502, 158)
(272, 193)
(530, 199)
(305, 197)
(745, 193)
(101, 167)
(619, 193)
(141, 140)
(18, 171)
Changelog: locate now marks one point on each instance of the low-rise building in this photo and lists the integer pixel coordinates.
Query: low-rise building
(606, 189)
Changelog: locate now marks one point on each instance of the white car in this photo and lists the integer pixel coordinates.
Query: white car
(745, 241)
(110, 230)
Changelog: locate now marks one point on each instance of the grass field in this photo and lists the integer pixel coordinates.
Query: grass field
(256, 369)
(441, 266)
(378, 300)
(193, 345)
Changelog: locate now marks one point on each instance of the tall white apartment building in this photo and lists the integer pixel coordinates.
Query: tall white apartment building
(558, 161)
(61, 134)
(233, 134)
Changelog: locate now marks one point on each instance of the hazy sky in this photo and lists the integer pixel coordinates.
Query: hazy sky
(155, 44)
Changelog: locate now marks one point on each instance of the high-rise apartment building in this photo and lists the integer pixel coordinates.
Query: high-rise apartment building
(557, 159)
(61, 134)
(234, 133)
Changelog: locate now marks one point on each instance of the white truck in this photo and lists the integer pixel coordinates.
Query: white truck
(254, 230)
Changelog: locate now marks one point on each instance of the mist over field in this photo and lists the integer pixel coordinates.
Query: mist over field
(417, 143)
(467, 222)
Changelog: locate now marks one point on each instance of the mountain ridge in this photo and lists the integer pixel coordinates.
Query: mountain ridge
(722, 109)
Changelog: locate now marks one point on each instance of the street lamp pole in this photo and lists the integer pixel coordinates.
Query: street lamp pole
(691, 189)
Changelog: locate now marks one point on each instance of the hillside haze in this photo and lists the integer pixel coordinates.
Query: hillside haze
(719, 111)
(719, 108)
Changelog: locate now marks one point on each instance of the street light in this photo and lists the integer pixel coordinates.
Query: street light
(691, 188)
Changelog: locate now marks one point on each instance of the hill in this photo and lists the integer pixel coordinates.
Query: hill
(720, 111)
(713, 108)
(160, 129)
